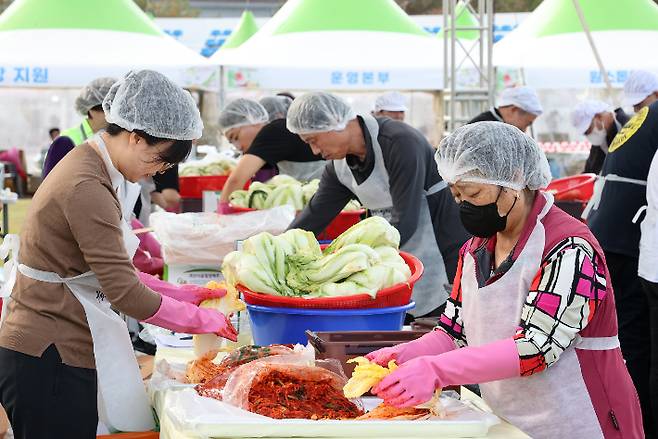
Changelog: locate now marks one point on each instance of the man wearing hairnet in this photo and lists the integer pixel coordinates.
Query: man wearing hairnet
(531, 317)
(246, 124)
(600, 124)
(612, 215)
(392, 105)
(518, 106)
(640, 90)
(388, 166)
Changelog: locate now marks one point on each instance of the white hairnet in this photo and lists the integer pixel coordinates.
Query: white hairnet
(93, 94)
(149, 101)
(276, 106)
(495, 153)
(242, 112)
(639, 85)
(523, 97)
(582, 115)
(392, 101)
(318, 112)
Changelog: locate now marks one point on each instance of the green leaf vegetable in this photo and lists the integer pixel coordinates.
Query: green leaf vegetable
(364, 259)
(219, 167)
(281, 190)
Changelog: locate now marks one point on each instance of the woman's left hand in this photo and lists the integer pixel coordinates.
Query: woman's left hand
(414, 382)
(411, 384)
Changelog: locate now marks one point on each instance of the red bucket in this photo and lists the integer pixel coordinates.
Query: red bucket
(193, 186)
(396, 295)
(574, 188)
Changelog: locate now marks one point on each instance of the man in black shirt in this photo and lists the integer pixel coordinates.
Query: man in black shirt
(245, 123)
(619, 194)
(389, 167)
(518, 106)
(597, 121)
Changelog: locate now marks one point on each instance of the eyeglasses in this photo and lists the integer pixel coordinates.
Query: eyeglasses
(165, 167)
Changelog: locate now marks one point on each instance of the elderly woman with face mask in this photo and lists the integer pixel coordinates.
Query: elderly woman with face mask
(63, 348)
(531, 317)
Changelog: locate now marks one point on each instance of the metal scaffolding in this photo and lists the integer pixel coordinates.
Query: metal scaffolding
(467, 58)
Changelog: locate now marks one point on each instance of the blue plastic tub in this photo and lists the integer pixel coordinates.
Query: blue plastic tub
(287, 325)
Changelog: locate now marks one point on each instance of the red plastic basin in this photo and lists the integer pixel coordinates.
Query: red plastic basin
(396, 295)
(574, 188)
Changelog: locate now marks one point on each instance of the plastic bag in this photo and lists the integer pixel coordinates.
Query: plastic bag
(214, 387)
(290, 386)
(205, 238)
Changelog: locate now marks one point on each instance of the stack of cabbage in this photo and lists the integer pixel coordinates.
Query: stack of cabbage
(201, 168)
(280, 190)
(364, 259)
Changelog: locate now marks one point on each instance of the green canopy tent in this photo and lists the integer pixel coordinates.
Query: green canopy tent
(337, 45)
(551, 49)
(464, 19)
(245, 29)
(55, 43)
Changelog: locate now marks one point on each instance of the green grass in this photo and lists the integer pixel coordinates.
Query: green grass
(17, 214)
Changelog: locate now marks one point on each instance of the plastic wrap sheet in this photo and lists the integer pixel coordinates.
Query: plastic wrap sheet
(205, 238)
(204, 417)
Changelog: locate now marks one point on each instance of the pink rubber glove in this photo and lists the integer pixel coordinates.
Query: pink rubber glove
(433, 343)
(185, 317)
(144, 262)
(414, 382)
(193, 294)
(147, 241)
(224, 208)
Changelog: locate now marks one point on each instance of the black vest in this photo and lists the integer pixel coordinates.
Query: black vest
(629, 155)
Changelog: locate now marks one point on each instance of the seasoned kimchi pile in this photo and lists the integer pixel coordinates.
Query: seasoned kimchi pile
(281, 395)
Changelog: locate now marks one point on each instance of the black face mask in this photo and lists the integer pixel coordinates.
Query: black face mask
(483, 221)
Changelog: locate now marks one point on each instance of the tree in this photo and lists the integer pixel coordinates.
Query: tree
(420, 7)
(168, 8)
(415, 7)
(157, 8)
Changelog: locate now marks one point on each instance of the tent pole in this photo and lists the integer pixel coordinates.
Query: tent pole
(583, 23)
(222, 89)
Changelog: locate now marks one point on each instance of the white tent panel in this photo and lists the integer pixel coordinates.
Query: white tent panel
(73, 57)
(566, 60)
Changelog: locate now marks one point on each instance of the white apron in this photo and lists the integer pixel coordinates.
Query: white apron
(302, 171)
(550, 404)
(374, 193)
(648, 260)
(599, 184)
(146, 187)
(122, 401)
